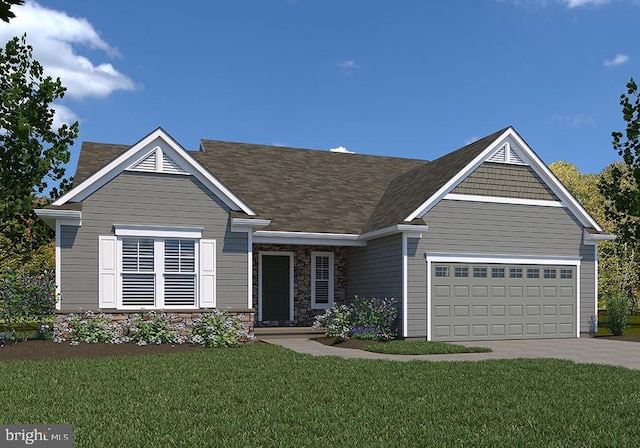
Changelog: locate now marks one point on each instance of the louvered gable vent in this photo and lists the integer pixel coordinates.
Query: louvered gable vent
(506, 154)
(157, 162)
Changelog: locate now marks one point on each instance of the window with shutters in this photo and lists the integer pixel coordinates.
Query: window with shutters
(322, 280)
(159, 273)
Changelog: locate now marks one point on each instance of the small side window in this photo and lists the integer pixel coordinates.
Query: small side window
(497, 272)
(461, 271)
(442, 271)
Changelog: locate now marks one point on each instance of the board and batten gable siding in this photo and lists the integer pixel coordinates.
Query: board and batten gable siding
(464, 227)
(503, 180)
(375, 270)
(156, 200)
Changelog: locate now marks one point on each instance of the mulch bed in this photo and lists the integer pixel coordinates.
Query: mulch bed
(38, 350)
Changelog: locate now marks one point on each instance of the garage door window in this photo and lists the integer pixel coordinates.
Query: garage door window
(549, 273)
(479, 272)
(566, 273)
(497, 272)
(515, 272)
(442, 271)
(462, 271)
(533, 273)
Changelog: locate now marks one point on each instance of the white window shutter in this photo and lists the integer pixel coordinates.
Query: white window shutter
(108, 261)
(207, 273)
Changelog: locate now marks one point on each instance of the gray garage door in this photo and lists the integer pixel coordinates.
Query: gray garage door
(502, 301)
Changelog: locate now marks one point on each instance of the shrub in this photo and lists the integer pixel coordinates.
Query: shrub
(363, 318)
(153, 329)
(619, 309)
(335, 322)
(89, 327)
(219, 329)
(27, 298)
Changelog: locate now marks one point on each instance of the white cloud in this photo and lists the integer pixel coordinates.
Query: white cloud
(55, 37)
(63, 115)
(573, 120)
(618, 60)
(579, 3)
(347, 65)
(473, 138)
(341, 150)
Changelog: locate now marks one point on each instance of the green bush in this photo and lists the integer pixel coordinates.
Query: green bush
(153, 329)
(219, 329)
(369, 319)
(26, 297)
(618, 309)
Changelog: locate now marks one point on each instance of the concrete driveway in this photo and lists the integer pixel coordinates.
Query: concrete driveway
(584, 350)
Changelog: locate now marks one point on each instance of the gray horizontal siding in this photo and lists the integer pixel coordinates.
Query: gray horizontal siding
(376, 270)
(151, 199)
(511, 181)
(459, 227)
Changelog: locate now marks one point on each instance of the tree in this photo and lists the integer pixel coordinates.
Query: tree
(32, 153)
(5, 9)
(620, 188)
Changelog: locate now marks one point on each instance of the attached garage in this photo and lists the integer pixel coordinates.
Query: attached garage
(476, 300)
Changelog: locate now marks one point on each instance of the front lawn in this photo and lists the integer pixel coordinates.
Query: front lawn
(399, 347)
(264, 395)
(633, 328)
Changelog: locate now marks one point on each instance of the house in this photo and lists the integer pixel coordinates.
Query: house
(481, 243)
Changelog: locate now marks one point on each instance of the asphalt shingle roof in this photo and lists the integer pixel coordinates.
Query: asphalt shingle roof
(314, 191)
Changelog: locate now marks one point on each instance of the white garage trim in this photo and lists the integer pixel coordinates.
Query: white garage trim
(435, 257)
(405, 286)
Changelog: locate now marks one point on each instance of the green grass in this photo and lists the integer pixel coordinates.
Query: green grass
(399, 347)
(264, 395)
(633, 328)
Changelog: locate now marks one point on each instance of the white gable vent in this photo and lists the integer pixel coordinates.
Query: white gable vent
(157, 161)
(506, 154)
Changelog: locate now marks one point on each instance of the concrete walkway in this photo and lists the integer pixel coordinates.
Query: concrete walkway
(583, 350)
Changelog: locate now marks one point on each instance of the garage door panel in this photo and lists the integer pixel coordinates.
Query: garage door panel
(516, 291)
(510, 307)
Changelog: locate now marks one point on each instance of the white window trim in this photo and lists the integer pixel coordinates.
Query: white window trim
(331, 286)
(157, 231)
(158, 271)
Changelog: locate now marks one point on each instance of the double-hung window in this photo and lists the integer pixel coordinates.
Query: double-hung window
(322, 280)
(156, 268)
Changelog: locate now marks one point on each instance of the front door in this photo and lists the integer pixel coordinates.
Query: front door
(276, 288)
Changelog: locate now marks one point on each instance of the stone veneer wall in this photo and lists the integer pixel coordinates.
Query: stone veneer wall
(183, 319)
(302, 313)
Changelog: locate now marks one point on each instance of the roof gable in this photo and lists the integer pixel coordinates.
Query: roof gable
(504, 146)
(158, 152)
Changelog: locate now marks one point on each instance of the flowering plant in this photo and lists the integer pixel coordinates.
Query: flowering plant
(361, 319)
(219, 329)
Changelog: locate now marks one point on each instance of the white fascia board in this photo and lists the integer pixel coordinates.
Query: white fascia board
(590, 238)
(247, 224)
(501, 259)
(307, 238)
(531, 159)
(502, 200)
(552, 182)
(64, 217)
(446, 188)
(412, 231)
(157, 231)
(180, 155)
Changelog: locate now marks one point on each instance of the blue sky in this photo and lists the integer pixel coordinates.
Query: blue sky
(404, 78)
